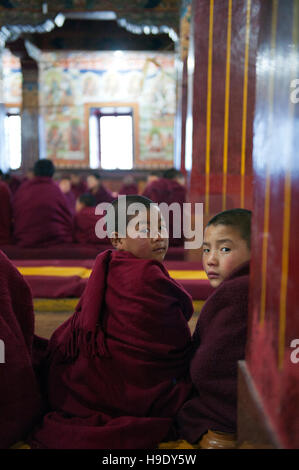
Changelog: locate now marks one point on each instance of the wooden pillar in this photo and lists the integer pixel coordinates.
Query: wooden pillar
(224, 37)
(4, 164)
(272, 357)
(180, 137)
(30, 113)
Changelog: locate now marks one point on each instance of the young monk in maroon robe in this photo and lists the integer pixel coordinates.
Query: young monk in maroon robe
(169, 189)
(5, 215)
(220, 335)
(85, 221)
(41, 213)
(20, 400)
(118, 368)
(98, 190)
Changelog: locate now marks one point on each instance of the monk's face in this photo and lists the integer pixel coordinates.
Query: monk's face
(92, 182)
(65, 185)
(223, 251)
(144, 246)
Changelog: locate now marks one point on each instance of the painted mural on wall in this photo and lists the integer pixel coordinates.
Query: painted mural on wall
(12, 79)
(185, 20)
(70, 81)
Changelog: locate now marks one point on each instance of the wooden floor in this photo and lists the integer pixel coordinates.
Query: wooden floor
(47, 322)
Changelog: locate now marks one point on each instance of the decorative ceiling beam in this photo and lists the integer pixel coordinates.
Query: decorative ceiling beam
(138, 16)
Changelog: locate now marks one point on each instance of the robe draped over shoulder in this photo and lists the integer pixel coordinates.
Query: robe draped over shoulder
(41, 214)
(219, 342)
(118, 368)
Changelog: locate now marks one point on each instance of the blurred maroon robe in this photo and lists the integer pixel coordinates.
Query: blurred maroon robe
(127, 189)
(79, 188)
(102, 195)
(118, 368)
(5, 215)
(71, 201)
(84, 227)
(20, 400)
(41, 214)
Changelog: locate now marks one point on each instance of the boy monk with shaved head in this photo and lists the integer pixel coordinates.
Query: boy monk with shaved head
(118, 368)
(209, 417)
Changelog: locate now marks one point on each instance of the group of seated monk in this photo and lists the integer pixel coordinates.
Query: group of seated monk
(124, 372)
(42, 212)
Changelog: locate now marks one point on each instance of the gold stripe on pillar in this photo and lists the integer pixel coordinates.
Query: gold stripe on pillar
(245, 99)
(268, 180)
(287, 207)
(226, 111)
(209, 106)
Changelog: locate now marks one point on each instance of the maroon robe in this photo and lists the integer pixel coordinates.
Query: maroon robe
(84, 227)
(14, 183)
(102, 195)
(41, 214)
(127, 189)
(71, 201)
(118, 368)
(5, 215)
(20, 401)
(168, 191)
(219, 343)
(79, 188)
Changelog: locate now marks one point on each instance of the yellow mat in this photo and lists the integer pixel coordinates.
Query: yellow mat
(69, 305)
(84, 273)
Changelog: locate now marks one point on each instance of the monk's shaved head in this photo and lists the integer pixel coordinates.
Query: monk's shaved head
(44, 167)
(240, 219)
(120, 209)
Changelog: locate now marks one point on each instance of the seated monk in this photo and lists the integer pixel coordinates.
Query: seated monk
(5, 215)
(66, 188)
(129, 186)
(98, 190)
(209, 417)
(85, 220)
(169, 189)
(41, 214)
(118, 368)
(13, 182)
(20, 400)
(78, 186)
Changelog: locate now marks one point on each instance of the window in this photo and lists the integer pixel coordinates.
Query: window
(111, 137)
(12, 129)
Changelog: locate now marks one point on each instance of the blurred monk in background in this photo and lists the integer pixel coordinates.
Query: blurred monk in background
(78, 185)
(5, 214)
(98, 190)
(86, 219)
(129, 186)
(65, 186)
(41, 213)
(169, 188)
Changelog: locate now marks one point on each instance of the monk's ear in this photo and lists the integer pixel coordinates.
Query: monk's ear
(116, 241)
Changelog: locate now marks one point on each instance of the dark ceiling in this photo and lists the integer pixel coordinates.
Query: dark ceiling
(91, 35)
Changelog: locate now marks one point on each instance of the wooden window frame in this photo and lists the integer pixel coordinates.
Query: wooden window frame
(118, 104)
